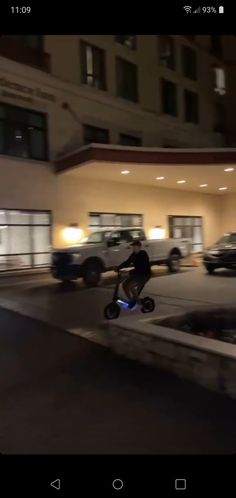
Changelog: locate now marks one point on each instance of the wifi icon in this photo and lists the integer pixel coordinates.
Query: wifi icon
(188, 9)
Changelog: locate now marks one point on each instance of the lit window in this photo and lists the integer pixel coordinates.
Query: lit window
(93, 70)
(167, 52)
(219, 84)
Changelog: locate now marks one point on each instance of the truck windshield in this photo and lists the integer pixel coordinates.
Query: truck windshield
(97, 237)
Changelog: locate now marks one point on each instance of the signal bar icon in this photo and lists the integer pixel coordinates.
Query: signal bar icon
(197, 11)
(188, 9)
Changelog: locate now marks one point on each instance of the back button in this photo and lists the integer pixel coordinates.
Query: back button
(56, 484)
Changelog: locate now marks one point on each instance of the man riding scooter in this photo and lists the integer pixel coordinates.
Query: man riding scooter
(138, 277)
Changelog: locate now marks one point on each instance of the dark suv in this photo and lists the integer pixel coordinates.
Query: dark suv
(222, 254)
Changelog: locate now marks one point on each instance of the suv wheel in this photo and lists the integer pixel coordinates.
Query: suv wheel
(210, 269)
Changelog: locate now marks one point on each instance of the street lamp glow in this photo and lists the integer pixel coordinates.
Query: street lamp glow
(223, 188)
(203, 185)
(160, 178)
(228, 170)
(181, 181)
(125, 172)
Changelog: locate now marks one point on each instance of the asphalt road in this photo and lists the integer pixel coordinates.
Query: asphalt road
(62, 394)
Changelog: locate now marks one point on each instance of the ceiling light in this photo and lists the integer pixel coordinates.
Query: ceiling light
(160, 178)
(203, 185)
(125, 172)
(181, 181)
(223, 188)
(228, 170)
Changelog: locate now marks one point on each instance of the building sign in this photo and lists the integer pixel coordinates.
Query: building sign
(28, 92)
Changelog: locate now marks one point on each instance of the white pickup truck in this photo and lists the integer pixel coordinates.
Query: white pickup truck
(105, 249)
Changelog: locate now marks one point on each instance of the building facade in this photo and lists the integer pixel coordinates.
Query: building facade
(59, 94)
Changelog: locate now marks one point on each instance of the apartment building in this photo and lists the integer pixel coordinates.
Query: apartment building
(135, 90)
(134, 94)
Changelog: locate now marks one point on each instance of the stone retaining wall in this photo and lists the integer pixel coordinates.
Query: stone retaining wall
(207, 362)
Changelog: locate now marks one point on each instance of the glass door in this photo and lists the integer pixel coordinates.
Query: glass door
(187, 227)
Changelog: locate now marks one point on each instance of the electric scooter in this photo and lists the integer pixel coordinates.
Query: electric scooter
(112, 310)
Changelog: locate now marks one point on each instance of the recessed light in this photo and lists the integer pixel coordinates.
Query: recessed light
(228, 170)
(181, 181)
(125, 172)
(160, 178)
(223, 188)
(203, 185)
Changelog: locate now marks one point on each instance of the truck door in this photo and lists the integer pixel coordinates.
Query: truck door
(117, 249)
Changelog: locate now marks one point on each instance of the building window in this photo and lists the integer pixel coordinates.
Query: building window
(219, 80)
(130, 140)
(126, 76)
(216, 45)
(23, 133)
(25, 239)
(30, 41)
(189, 63)
(113, 220)
(95, 135)
(219, 123)
(167, 52)
(169, 97)
(93, 67)
(129, 41)
(191, 107)
(184, 227)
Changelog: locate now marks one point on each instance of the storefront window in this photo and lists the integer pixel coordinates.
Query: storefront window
(25, 238)
(184, 227)
(114, 220)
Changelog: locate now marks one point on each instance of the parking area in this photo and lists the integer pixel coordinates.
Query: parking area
(80, 310)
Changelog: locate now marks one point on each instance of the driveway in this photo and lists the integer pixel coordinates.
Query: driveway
(76, 308)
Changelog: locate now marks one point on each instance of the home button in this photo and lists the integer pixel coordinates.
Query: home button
(117, 484)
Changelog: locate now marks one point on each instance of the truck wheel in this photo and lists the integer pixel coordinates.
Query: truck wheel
(210, 269)
(92, 274)
(173, 262)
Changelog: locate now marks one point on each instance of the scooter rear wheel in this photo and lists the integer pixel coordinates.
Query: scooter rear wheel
(148, 305)
(112, 311)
